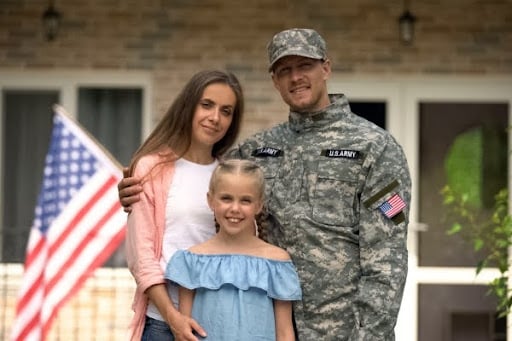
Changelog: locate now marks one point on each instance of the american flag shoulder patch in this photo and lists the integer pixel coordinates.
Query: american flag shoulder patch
(392, 206)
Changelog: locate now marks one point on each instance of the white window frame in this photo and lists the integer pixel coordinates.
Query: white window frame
(67, 84)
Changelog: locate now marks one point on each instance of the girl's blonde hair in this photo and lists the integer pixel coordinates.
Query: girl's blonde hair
(248, 168)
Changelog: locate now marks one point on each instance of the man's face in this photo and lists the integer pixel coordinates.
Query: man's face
(302, 82)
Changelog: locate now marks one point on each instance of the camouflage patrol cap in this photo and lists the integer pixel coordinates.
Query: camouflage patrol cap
(296, 42)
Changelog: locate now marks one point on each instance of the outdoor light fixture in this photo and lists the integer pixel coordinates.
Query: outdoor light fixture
(51, 21)
(406, 25)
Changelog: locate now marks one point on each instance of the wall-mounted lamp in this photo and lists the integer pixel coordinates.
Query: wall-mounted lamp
(51, 20)
(406, 25)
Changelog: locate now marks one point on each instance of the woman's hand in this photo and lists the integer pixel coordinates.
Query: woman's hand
(183, 327)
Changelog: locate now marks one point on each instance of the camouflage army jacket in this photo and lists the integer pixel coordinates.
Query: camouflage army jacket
(331, 176)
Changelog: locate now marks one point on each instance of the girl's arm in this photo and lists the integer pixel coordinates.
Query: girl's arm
(186, 300)
(284, 323)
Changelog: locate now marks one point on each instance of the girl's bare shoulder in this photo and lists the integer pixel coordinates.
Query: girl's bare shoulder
(202, 248)
(274, 252)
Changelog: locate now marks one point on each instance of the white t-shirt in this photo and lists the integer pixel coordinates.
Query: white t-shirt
(188, 219)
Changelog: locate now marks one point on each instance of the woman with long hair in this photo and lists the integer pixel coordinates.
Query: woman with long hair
(175, 164)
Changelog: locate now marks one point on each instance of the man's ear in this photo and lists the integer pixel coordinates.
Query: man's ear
(326, 66)
(274, 81)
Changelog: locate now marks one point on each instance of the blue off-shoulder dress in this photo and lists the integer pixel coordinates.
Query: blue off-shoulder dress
(234, 293)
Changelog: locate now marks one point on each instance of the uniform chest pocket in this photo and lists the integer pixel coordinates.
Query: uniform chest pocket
(334, 198)
(270, 166)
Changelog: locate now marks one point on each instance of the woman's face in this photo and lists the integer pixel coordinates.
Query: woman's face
(213, 115)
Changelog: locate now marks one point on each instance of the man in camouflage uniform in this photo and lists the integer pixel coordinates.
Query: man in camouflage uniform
(338, 190)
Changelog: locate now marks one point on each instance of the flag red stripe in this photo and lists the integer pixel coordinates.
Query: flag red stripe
(36, 314)
(81, 246)
(27, 297)
(31, 325)
(79, 216)
(35, 285)
(34, 252)
(102, 257)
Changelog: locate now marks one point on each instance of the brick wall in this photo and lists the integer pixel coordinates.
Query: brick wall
(175, 38)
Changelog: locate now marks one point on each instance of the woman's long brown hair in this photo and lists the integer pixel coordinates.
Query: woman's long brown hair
(175, 129)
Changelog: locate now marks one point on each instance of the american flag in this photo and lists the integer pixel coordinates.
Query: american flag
(392, 206)
(78, 224)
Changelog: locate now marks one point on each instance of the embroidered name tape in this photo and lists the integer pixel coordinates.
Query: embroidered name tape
(341, 153)
(267, 152)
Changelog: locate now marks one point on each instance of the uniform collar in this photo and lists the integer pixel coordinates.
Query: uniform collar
(333, 112)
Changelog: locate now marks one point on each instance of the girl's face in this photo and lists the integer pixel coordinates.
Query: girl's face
(213, 115)
(235, 202)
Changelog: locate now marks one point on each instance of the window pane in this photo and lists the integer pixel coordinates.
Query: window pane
(372, 111)
(458, 313)
(113, 117)
(26, 134)
(464, 144)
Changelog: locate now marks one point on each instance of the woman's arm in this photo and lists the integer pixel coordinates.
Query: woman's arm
(182, 325)
(284, 322)
(142, 256)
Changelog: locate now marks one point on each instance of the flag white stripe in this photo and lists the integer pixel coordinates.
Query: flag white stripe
(31, 309)
(69, 278)
(76, 205)
(81, 230)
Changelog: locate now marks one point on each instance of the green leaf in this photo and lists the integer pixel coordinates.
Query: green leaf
(478, 244)
(480, 265)
(490, 235)
(456, 228)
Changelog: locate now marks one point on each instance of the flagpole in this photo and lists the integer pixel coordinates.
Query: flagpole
(61, 111)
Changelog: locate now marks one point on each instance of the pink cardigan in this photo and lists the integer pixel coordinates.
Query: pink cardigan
(146, 225)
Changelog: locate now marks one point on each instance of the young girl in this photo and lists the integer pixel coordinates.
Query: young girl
(235, 285)
(175, 164)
